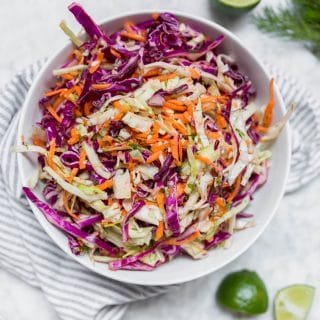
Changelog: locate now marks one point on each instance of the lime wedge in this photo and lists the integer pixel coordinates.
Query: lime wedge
(293, 302)
(243, 292)
(239, 4)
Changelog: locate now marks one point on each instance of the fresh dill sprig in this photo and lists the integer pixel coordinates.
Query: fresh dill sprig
(298, 21)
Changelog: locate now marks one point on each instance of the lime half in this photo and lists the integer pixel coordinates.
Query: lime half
(243, 292)
(239, 4)
(293, 302)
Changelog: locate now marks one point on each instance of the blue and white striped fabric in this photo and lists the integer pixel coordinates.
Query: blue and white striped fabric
(75, 292)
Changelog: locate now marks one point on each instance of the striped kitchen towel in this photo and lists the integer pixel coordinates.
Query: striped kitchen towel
(74, 291)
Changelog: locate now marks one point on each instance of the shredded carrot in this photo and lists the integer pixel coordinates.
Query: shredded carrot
(174, 106)
(105, 185)
(67, 76)
(87, 108)
(165, 77)
(221, 121)
(75, 136)
(54, 114)
(188, 239)
(160, 200)
(154, 156)
(57, 103)
(213, 135)
(267, 117)
(235, 190)
(132, 35)
(82, 159)
(149, 203)
(159, 147)
(77, 54)
(38, 142)
(190, 108)
(209, 106)
(97, 62)
(77, 112)
(128, 26)
(179, 127)
(195, 74)
(66, 205)
(119, 106)
(180, 188)
(203, 159)
(110, 201)
(152, 72)
(51, 152)
(261, 129)
(55, 92)
(73, 173)
(101, 86)
(115, 53)
(159, 231)
(155, 16)
(220, 202)
(176, 102)
(175, 148)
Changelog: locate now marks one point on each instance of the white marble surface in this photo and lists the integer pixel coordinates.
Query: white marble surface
(287, 252)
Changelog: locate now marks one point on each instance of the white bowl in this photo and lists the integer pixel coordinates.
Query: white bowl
(265, 202)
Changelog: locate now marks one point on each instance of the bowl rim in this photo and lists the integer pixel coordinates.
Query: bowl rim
(189, 276)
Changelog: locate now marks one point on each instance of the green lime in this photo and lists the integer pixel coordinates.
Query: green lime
(243, 292)
(239, 4)
(293, 302)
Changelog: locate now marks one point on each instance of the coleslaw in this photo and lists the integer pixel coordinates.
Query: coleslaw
(150, 144)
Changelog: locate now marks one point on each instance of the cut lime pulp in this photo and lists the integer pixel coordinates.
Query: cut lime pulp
(293, 302)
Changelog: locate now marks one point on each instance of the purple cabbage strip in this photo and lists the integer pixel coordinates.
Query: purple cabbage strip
(138, 266)
(85, 20)
(56, 220)
(70, 159)
(219, 237)
(172, 207)
(244, 215)
(89, 220)
(119, 264)
(73, 245)
(125, 223)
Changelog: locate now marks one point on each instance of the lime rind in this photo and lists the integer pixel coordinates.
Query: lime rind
(239, 4)
(294, 302)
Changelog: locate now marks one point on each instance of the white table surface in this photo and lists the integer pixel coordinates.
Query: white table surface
(288, 251)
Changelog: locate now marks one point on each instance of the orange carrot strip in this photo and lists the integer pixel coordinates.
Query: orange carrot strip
(220, 202)
(110, 201)
(174, 148)
(128, 26)
(75, 136)
(57, 102)
(154, 156)
(175, 101)
(157, 147)
(159, 231)
(155, 16)
(97, 62)
(82, 159)
(174, 106)
(133, 36)
(66, 205)
(190, 108)
(77, 112)
(235, 190)
(179, 127)
(73, 173)
(105, 185)
(87, 108)
(115, 53)
(203, 159)
(213, 135)
(55, 92)
(262, 129)
(152, 72)
(160, 200)
(101, 86)
(195, 74)
(267, 117)
(164, 77)
(221, 121)
(119, 106)
(209, 106)
(188, 239)
(38, 142)
(54, 114)
(51, 152)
